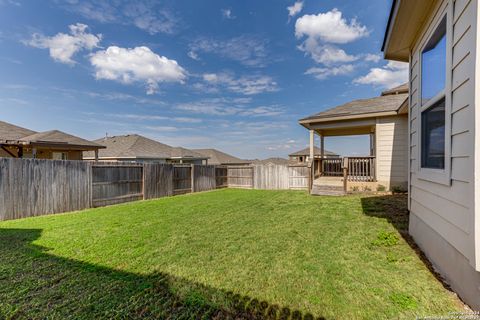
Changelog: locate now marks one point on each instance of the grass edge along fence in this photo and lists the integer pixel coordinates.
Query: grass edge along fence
(33, 187)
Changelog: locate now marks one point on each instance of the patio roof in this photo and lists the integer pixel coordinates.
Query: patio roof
(384, 105)
(56, 138)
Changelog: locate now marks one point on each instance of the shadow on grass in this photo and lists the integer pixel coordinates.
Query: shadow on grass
(38, 285)
(394, 209)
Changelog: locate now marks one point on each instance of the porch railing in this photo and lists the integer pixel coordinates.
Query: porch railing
(361, 169)
(357, 168)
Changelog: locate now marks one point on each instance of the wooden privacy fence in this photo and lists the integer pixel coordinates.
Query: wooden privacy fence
(114, 183)
(31, 187)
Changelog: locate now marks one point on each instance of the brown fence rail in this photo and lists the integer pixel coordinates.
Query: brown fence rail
(31, 187)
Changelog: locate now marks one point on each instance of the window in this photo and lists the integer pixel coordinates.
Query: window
(59, 156)
(433, 136)
(434, 62)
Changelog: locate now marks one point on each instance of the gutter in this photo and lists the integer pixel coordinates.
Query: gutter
(393, 12)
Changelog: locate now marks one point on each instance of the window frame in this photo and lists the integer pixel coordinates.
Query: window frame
(441, 176)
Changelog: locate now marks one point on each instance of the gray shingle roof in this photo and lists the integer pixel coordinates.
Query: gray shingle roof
(219, 157)
(58, 137)
(403, 88)
(385, 103)
(272, 160)
(9, 131)
(134, 146)
(317, 152)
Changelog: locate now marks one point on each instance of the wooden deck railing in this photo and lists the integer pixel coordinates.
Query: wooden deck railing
(358, 168)
(361, 168)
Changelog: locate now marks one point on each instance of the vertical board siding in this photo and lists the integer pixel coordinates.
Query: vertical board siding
(31, 187)
(158, 180)
(271, 177)
(240, 177)
(182, 179)
(298, 177)
(204, 178)
(221, 177)
(116, 183)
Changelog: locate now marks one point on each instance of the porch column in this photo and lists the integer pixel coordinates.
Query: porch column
(372, 144)
(96, 155)
(312, 139)
(322, 146)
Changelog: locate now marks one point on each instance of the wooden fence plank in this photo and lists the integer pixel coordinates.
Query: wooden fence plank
(31, 187)
(158, 180)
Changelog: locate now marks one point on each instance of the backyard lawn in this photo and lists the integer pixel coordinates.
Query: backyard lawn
(246, 254)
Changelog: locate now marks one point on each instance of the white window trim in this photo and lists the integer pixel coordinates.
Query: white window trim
(441, 176)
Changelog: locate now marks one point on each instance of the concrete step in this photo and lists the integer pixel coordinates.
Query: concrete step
(327, 190)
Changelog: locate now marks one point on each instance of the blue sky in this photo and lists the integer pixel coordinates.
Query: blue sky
(233, 75)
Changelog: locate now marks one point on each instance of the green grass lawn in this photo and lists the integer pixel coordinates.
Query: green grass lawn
(230, 253)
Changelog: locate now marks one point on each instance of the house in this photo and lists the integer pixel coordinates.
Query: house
(137, 148)
(18, 142)
(385, 120)
(303, 156)
(273, 160)
(440, 41)
(217, 157)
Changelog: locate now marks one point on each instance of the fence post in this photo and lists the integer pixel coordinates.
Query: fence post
(192, 177)
(345, 173)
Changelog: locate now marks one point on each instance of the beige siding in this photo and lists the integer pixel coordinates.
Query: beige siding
(391, 140)
(448, 208)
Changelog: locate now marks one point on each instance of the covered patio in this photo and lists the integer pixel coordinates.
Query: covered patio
(384, 119)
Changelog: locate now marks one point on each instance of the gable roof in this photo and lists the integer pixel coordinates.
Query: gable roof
(219, 157)
(179, 152)
(273, 160)
(389, 103)
(9, 131)
(134, 146)
(317, 152)
(54, 137)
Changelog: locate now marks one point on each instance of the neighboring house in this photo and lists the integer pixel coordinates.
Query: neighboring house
(137, 148)
(273, 160)
(440, 41)
(218, 157)
(385, 120)
(303, 156)
(18, 142)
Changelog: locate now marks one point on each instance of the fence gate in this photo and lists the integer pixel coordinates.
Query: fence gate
(116, 183)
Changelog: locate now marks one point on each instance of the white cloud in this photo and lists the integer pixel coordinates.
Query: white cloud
(295, 9)
(248, 85)
(145, 15)
(329, 27)
(323, 34)
(370, 57)
(326, 54)
(229, 107)
(138, 64)
(390, 75)
(62, 46)
(324, 73)
(227, 14)
(248, 50)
